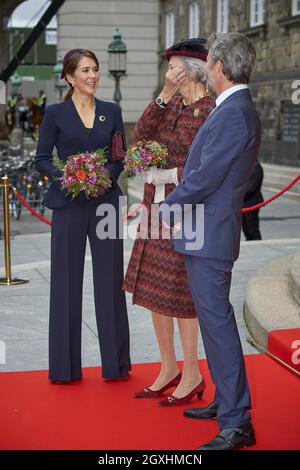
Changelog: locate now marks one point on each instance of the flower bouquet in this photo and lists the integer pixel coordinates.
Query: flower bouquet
(143, 155)
(86, 172)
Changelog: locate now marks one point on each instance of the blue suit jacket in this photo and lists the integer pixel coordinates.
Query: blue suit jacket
(217, 170)
(63, 128)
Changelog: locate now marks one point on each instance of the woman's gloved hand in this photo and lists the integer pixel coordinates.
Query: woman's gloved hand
(159, 178)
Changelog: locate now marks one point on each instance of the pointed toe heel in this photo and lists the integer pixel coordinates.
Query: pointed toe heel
(148, 393)
(174, 401)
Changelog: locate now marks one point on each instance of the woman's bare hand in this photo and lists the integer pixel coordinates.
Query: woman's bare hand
(107, 180)
(173, 81)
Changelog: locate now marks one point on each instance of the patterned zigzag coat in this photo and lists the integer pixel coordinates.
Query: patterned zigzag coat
(156, 273)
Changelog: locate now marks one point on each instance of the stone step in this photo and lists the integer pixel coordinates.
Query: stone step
(280, 184)
(272, 299)
(289, 194)
(277, 176)
(280, 179)
(281, 169)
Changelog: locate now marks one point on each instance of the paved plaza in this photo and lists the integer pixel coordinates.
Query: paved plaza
(24, 308)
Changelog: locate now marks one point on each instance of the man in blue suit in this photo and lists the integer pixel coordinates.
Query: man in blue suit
(217, 170)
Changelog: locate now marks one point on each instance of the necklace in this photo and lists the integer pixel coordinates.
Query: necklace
(197, 99)
(196, 112)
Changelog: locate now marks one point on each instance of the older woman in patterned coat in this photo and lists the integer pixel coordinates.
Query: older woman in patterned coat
(156, 273)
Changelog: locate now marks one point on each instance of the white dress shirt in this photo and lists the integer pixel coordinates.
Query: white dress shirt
(222, 97)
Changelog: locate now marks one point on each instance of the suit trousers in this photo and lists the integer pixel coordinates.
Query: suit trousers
(210, 281)
(250, 225)
(70, 229)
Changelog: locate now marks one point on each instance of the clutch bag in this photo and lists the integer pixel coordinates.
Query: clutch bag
(118, 147)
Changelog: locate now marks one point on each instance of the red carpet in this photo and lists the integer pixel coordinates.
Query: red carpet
(93, 414)
(285, 344)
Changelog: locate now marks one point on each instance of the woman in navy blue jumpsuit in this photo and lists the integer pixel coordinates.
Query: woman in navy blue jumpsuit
(83, 123)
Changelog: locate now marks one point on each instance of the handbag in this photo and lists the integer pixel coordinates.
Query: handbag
(118, 146)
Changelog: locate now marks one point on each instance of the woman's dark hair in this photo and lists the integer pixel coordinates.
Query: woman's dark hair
(70, 65)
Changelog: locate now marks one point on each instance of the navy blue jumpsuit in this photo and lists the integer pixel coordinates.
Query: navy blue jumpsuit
(73, 221)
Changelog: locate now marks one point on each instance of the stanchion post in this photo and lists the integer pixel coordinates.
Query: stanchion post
(7, 280)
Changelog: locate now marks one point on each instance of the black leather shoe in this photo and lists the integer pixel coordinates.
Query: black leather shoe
(202, 413)
(232, 439)
(60, 382)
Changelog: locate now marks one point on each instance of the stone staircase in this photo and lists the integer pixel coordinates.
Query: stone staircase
(277, 176)
(273, 300)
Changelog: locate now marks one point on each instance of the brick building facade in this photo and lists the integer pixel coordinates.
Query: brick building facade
(90, 24)
(274, 27)
(149, 26)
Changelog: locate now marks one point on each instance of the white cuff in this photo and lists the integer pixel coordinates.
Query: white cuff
(159, 177)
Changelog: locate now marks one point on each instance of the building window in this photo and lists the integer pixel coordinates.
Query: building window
(194, 13)
(222, 16)
(295, 7)
(257, 12)
(290, 122)
(170, 29)
(51, 37)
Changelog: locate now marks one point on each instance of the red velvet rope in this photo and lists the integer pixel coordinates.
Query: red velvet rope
(131, 213)
(282, 191)
(134, 211)
(28, 207)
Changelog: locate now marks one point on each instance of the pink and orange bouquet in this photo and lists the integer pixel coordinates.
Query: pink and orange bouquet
(86, 172)
(143, 155)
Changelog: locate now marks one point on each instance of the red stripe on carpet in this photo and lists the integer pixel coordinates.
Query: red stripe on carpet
(93, 414)
(285, 344)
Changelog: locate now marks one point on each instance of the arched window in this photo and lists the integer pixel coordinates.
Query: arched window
(194, 13)
(222, 16)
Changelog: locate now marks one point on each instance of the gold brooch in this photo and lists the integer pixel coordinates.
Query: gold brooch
(196, 113)
(102, 118)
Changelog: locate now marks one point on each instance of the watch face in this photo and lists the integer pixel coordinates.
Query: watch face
(159, 100)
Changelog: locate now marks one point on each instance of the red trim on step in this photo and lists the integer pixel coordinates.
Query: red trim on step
(285, 344)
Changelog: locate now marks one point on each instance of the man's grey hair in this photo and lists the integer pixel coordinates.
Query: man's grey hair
(195, 68)
(237, 54)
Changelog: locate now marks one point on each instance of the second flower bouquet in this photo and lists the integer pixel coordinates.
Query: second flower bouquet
(143, 155)
(86, 172)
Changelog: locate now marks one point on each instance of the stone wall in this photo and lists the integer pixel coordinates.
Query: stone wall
(93, 28)
(277, 66)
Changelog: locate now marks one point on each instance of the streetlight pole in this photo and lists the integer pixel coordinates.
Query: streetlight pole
(59, 83)
(16, 81)
(117, 93)
(117, 62)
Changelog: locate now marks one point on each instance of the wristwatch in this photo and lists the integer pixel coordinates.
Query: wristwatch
(160, 102)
